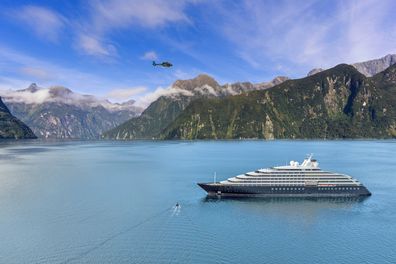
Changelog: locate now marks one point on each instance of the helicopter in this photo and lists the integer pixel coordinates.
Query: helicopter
(163, 64)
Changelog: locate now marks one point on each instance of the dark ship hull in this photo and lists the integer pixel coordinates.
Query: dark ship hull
(234, 190)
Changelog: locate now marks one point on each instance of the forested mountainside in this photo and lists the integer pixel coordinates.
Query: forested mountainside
(11, 127)
(336, 103)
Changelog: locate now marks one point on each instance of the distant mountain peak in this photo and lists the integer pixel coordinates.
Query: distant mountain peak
(368, 68)
(199, 81)
(372, 67)
(36, 95)
(314, 71)
(59, 91)
(32, 88)
(277, 80)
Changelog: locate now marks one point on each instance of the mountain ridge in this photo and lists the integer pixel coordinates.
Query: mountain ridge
(336, 103)
(11, 127)
(160, 113)
(58, 112)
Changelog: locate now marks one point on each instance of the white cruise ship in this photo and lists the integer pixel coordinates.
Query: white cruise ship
(294, 180)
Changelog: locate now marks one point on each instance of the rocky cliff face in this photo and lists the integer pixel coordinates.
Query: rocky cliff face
(11, 127)
(166, 108)
(372, 67)
(368, 68)
(57, 112)
(314, 71)
(336, 103)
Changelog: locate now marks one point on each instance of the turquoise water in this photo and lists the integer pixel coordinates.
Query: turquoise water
(111, 202)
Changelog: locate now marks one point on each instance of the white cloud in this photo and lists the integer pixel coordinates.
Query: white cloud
(150, 55)
(37, 73)
(65, 96)
(125, 94)
(110, 14)
(148, 98)
(44, 22)
(92, 45)
(297, 34)
(26, 97)
(13, 78)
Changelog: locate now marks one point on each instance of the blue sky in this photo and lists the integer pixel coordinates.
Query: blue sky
(105, 47)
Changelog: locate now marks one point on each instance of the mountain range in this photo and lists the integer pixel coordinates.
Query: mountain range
(167, 116)
(166, 108)
(58, 112)
(336, 103)
(11, 127)
(368, 68)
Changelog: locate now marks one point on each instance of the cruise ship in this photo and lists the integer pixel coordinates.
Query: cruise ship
(294, 180)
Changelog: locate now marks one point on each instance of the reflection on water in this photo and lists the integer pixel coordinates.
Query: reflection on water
(288, 200)
(114, 202)
(289, 207)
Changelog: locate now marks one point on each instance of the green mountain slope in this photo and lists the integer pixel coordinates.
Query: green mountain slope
(151, 122)
(162, 112)
(11, 127)
(336, 103)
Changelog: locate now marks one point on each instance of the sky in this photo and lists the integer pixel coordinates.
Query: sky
(106, 47)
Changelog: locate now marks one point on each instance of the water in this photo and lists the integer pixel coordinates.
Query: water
(113, 202)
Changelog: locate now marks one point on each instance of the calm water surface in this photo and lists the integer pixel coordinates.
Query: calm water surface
(111, 202)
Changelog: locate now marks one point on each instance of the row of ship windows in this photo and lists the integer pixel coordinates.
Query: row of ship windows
(295, 169)
(287, 189)
(338, 188)
(292, 183)
(320, 189)
(292, 172)
(294, 176)
(293, 179)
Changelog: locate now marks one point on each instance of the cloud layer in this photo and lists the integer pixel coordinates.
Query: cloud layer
(62, 95)
(295, 33)
(150, 55)
(233, 40)
(45, 23)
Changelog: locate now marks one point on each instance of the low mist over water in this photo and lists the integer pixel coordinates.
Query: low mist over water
(115, 202)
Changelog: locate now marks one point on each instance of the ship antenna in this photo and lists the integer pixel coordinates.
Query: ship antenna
(214, 178)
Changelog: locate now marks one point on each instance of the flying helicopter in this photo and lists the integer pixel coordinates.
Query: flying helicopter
(165, 64)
